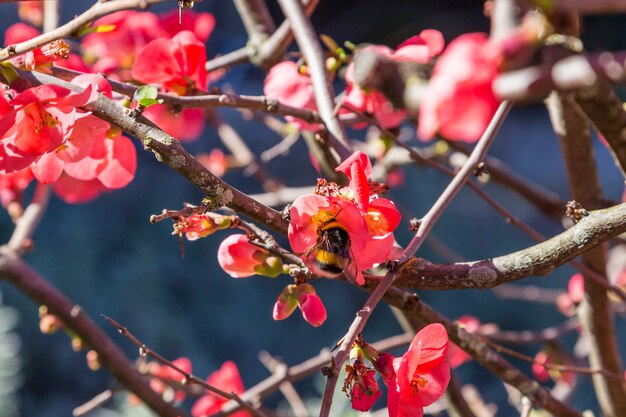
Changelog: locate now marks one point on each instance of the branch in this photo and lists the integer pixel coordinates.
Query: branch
(171, 153)
(256, 19)
(538, 260)
(595, 312)
(324, 95)
(73, 316)
(28, 222)
(481, 352)
(260, 103)
(99, 9)
(187, 378)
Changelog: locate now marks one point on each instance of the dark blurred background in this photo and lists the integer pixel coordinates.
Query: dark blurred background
(108, 258)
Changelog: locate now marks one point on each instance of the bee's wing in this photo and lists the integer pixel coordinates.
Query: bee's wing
(351, 270)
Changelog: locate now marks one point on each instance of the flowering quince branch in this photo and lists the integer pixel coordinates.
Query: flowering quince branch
(187, 378)
(170, 152)
(543, 258)
(480, 351)
(426, 224)
(617, 378)
(99, 9)
(260, 103)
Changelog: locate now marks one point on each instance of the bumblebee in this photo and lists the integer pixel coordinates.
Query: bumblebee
(332, 256)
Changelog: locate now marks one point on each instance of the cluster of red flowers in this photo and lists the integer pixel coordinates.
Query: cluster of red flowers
(43, 131)
(415, 380)
(338, 230)
(458, 102)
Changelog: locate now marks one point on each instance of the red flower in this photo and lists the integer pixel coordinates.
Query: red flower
(420, 377)
(289, 86)
(456, 355)
(114, 52)
(198, 226)
(319, 223)
(177, 64)
(311, 305)
(163, 374)
(364, 391)
(41, 119)
(419, 48)
(459, 102)
(201, 24)
(227, 379)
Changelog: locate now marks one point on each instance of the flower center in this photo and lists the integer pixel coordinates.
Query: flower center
(418, 382)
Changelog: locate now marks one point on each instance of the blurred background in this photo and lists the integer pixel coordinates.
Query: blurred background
(108, 258)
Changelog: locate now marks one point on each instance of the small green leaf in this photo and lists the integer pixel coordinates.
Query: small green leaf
(146, 102)
(147, 96)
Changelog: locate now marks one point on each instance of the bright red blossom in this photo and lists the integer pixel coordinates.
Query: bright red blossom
(459, 101)
(41, 119)
(368, 220)
(418, 378)
(289, 86)
(177, 64)
(311, 305)
(419, 49)
(364, 391)
(227, 379)
(113, 52)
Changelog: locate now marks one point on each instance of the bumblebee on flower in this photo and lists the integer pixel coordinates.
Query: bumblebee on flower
(344, 230)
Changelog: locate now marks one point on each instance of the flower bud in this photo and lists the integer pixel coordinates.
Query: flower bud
(311, 305)
(240, 258)
(201, 225)
(286, 303)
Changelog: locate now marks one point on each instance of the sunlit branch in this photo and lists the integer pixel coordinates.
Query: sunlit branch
(171, 153)
(186, 377)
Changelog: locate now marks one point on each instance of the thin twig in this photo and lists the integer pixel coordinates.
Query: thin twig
(324, 95)
(289, 392)
(29, 282)
(187, 378)
(28, 222)
(553, 366)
